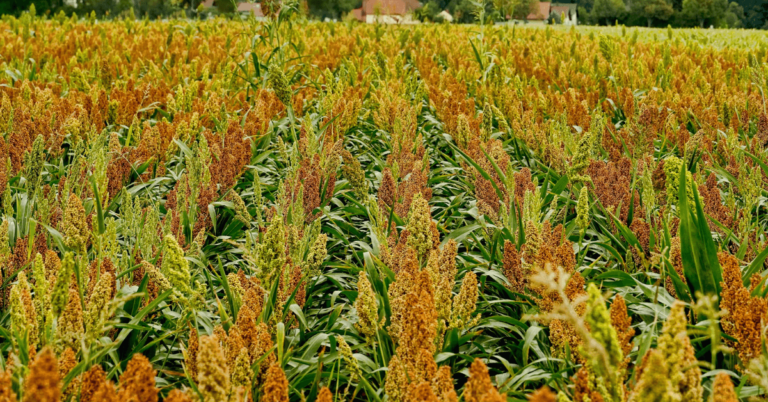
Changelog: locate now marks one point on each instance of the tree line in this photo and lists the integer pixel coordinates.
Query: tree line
(651, 13)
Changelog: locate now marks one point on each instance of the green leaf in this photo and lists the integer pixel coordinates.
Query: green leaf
(482, 172)
(227, 290)
(299, 314)
(700, 264)
(478, 58)
(754, 267)
(759, 162)
(683, 293)
(460, 233)
(530, 336)
(615, 279)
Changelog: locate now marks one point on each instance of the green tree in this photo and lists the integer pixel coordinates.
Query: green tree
(429, 11)
(505, 8)
(704, 11)
(103, 7)
(462, 11)
(586, 6)
(226, 6)
(524, 7)
(608, 11)
(757, 17)
(653, 10)
(734, 17)
(16, 7)
(332, 8)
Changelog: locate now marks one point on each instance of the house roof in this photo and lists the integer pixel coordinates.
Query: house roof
(542, 13)
(560, 10)
(389, 7)
(358, 14)
(571, 6)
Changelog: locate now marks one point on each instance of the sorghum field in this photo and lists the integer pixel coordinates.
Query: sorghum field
(295, 211)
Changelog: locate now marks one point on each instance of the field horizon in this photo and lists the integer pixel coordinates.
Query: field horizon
(290, 210)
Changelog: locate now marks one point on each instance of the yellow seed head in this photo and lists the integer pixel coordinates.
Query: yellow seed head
(213, 373)
(367, 308)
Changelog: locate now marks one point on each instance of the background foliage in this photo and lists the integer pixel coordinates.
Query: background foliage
(292, 210)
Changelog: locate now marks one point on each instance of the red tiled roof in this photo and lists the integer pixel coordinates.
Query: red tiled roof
(560, 10)
(541, 14)
(358, 14)
(389, 7)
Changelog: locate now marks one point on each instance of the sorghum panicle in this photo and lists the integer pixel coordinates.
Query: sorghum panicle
(367, 307)
(316, 256)
(138, 379)
(92, 380)
(241, 370)
(679, 354)
(74, 225)
(279, 83)
(465, 303)
(178, 395)
(68, 361)
(419, 226)
(212, 370)
(270, 252)
(397, 380)
(349, 359)
(543, 394)
(97, 309)
(442, 385)
(479, 387)
(722, 389)
(600, 326)
(61, 289)
(746, 314)
(655, 383)
(23, 314)
(42, 382)
(6, 387)
(605, 363)
(623, 325)
(513, 269)
(262, 344)
(354, 174)
(582, 209)
(421, 392)
(42, 300)
(190, 356)
(70, 329)
(175, 267)
(325, 395)
(275, 388)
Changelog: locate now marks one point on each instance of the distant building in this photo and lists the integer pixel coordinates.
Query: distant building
(541, 14)
(242, 7)
(445, 16)
(253, 8)
(566, 11)
(358, 14)
(387, 11)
